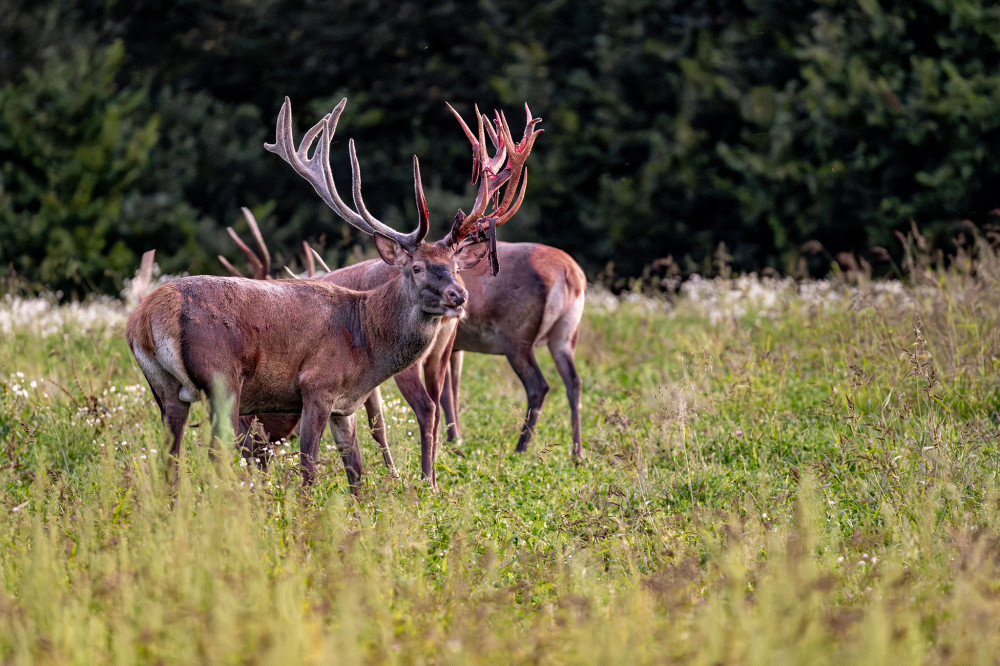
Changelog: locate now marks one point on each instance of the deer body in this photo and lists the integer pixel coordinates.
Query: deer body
(308, 346)
(423, 396)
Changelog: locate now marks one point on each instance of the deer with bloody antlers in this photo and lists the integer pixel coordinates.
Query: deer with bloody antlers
(537, 299)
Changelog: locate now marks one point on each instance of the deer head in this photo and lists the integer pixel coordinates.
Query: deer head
(479, 223)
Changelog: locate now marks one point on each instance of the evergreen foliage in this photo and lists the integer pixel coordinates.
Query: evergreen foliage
(770, 134)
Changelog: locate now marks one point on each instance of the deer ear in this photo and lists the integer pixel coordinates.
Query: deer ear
(470, 255)
(391, 252)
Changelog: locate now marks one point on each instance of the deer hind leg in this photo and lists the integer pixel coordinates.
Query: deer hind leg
(562, 353)
(174, 415)
(376, 421)
(424, 408)
(526, 367)
(167, 391)
(449, 398)
(345, 434)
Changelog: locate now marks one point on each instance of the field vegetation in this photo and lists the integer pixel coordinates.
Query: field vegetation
(776, 472)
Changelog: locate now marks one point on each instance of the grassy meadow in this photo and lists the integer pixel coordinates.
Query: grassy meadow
(776, 472)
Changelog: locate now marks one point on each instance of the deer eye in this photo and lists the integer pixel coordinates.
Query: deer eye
(416, 269)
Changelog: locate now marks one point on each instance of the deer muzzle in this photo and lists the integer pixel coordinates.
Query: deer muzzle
(454, 301)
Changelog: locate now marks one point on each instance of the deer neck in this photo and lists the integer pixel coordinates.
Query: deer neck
(392, 315)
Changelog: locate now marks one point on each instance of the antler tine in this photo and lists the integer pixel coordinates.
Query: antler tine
(261, 268)
(424, 217)
(312, 258)
(310, 264)
(316, 255)
(477, 147)
(258, 267)
(518, 154)
(255, 230)
(229, 267)
(492, 164)
(408, 241)
(492, 132)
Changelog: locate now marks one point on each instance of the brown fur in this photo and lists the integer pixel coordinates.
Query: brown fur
(289, 346)
(166, 305)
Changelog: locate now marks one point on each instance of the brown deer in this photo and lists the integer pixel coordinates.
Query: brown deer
(258, 430)
(424, 397)
(537, 299)
(308, 347)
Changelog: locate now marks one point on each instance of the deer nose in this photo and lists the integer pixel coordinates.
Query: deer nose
(456, 296)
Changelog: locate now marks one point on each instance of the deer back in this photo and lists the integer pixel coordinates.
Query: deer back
(270, 334)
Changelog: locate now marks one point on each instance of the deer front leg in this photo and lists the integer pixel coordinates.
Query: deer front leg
(423, 407)
(435, 373)
(376, 421)
(449, 398)
(345, 434)
(314, 417)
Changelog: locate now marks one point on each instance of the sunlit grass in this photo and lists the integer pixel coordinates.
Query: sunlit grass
(775, 473)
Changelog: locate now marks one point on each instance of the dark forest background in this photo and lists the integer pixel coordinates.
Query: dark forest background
(771, 135)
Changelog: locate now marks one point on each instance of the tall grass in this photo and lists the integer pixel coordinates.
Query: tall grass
(776, 473)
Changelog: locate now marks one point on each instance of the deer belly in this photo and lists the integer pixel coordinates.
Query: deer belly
(479, 339)
(270, 394)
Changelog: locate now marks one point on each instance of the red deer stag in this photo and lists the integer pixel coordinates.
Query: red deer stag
(537, 299)
(423, 397)
(308, 346)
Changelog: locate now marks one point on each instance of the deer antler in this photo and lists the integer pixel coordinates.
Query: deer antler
(312, 256)
(317, 171)
(514, 175)
(261, 266)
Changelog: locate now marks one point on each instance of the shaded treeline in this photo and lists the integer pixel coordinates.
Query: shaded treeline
(789, 131)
